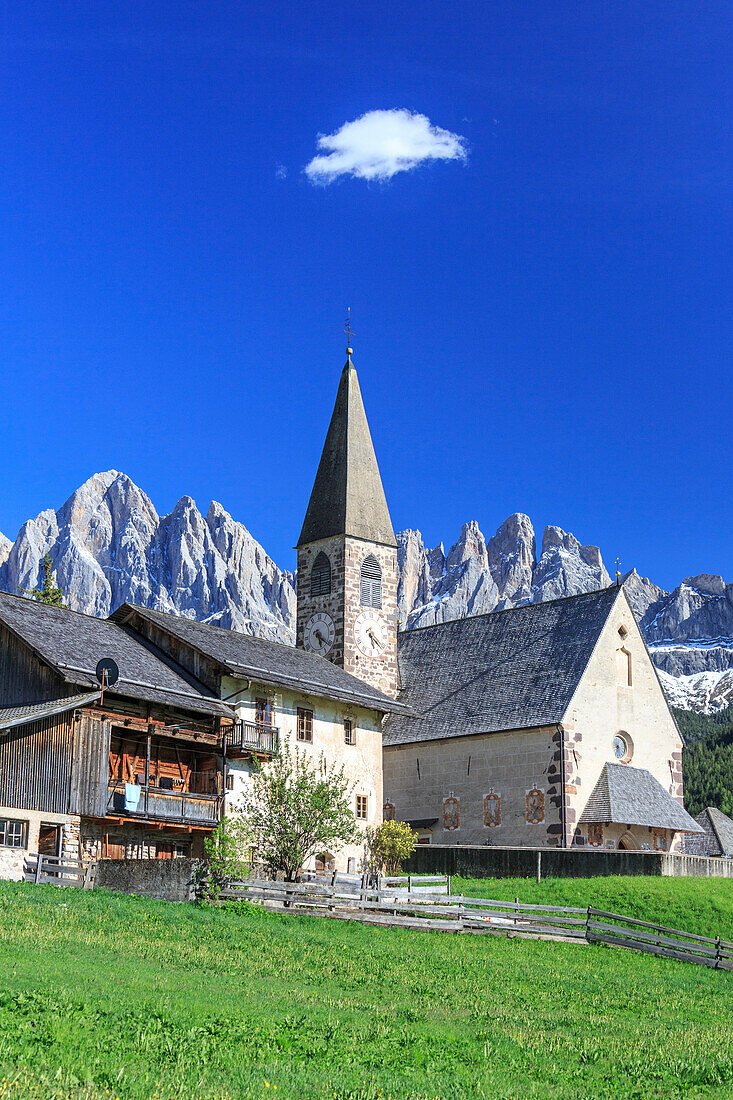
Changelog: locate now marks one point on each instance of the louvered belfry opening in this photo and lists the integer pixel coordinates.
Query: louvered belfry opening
(371, 582)
(321, 576)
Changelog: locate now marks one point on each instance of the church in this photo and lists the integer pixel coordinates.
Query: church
(542, 725)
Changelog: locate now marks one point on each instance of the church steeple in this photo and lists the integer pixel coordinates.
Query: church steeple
(347, 552)
(348, 497)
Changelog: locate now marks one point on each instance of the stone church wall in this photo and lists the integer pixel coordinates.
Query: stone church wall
(420, 781)
(343, 604)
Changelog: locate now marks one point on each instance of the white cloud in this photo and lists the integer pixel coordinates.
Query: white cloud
(380, 144)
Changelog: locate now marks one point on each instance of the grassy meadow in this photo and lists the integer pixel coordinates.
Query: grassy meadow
(104, 996)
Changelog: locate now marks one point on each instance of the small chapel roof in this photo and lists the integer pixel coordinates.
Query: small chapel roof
(507, 670)
(632, 796)
(721, 826)
(348, 497)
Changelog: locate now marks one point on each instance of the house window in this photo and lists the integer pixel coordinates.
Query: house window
(535, 806)
(370, 586)
(12, 833)
(264, 710)
(492, 810)
(388, 811)
(321, 576)
(230, 781)
(305, 724)
(451, 813)
(623, 667)
(595, 835)
(351, 866)
(659, 840)
(361, 807)
(349, 732)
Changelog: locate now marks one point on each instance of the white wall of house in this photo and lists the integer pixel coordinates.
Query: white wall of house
(12, 859)
(362, 761)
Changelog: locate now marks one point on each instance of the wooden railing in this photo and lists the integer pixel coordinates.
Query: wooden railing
(253, 737)
(183, 807)
(422, 901)
(59, 871)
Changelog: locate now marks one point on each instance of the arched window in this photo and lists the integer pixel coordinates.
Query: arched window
(371, 582)
(321, 576)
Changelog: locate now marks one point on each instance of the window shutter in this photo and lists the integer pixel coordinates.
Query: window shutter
(321, 576)
(371, 582)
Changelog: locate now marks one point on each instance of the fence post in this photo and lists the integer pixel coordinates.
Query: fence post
(447, 877)
(717, 952)
(539, 867)
(39, 865)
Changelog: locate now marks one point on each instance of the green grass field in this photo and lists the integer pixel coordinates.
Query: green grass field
(104, 996)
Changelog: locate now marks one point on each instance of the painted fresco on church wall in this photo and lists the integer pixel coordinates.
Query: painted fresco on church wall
(492, 810)
(451, 813)
(535, 806)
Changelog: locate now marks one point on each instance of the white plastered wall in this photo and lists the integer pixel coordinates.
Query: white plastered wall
(604, 705)
(12, 860)
(362, 762)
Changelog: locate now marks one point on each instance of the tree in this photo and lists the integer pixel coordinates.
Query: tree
(296, 808)
(48, 592)
(229, 855)
(388, 844)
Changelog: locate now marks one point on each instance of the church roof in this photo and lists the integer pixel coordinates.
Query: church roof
(245, 657)
(632, 796)
(348, 497)
(512, 669)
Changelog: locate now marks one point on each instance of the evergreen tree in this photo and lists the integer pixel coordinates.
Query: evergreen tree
(48, 592)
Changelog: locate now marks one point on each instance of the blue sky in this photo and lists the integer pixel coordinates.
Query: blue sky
(542, 317)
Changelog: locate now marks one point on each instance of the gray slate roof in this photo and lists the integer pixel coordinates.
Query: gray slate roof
(73, 643)
(632, 796)
(267, 662)
(34, 712)
(721, 827)
(348, 497)
(507, 670)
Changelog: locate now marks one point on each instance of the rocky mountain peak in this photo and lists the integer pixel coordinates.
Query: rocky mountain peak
(109, 545)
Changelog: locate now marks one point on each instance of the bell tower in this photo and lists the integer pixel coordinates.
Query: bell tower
(347, 551)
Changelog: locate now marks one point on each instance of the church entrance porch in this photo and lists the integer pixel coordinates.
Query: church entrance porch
(628, 843)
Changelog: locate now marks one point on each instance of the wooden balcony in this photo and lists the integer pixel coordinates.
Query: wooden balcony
(177, 807)
(247, 737)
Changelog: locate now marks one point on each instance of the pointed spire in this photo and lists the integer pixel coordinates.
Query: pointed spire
(348, 497)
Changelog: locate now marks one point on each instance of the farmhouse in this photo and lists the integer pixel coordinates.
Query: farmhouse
(133, 771)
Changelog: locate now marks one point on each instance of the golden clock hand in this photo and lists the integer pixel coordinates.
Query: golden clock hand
(319, 637)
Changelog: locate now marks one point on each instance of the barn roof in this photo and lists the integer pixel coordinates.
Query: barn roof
(348, 497)
(632, 796)
(267, 662)
(73, 643)
(512, 669)
(10, 717)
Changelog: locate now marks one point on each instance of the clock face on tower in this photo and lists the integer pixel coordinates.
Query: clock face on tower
(319, 633)
(370, 634)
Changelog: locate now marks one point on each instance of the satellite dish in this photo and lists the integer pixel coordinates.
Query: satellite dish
(107, 672)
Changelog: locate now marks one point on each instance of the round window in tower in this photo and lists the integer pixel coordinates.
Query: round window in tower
(622, 747)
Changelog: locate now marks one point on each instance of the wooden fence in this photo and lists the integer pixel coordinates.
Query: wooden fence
(424, 901)
(59, 871)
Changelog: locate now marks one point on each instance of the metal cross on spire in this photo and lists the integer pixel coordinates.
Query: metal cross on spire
(348, 331)
(618, 572)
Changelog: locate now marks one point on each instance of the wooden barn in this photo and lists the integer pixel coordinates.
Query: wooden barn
(136, 771)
